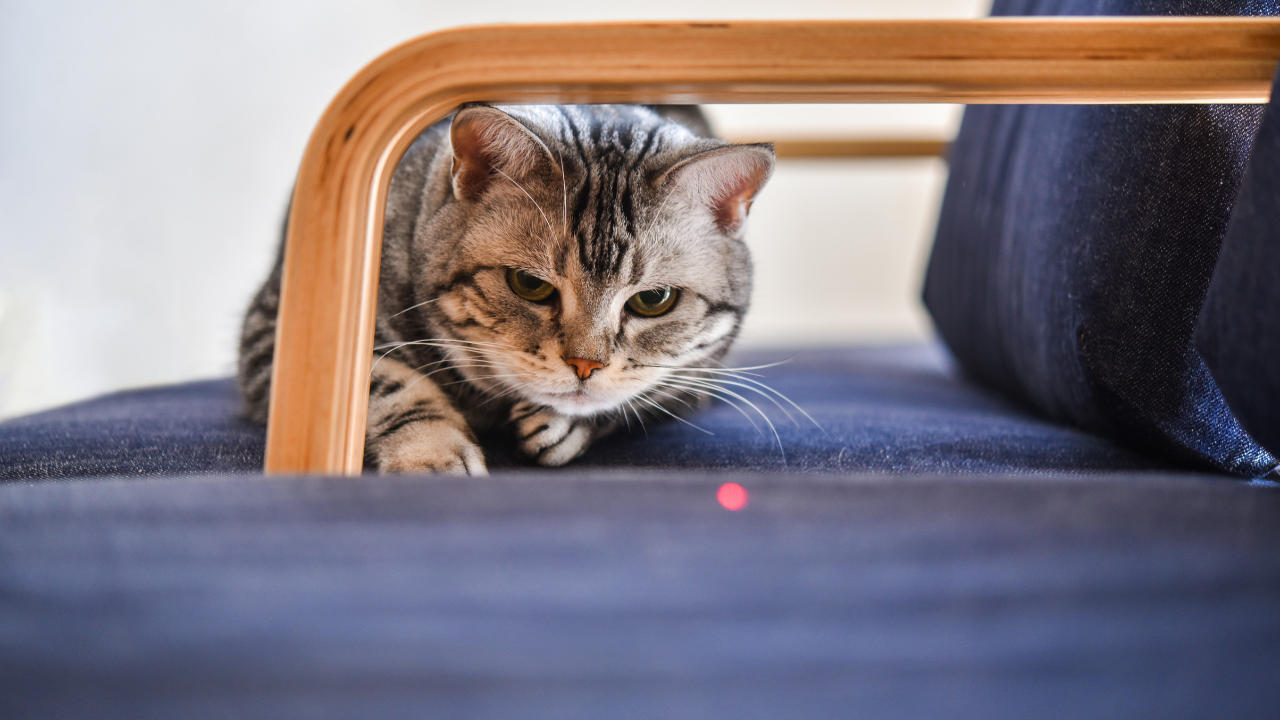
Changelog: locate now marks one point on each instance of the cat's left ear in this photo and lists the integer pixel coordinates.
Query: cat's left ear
(487, 144)
(725, 180)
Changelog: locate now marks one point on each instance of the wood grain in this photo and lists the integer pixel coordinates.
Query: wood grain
(324, 340)
(837, 148)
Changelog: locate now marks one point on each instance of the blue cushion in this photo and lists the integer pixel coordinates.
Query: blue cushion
(1074, 249)
(1239, 330)
(582, 595)
(888, 409)
(189, 428)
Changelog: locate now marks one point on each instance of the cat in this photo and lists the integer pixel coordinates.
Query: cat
(547, 270)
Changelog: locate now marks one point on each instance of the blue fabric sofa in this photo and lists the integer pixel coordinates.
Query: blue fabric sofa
(887, 409)
(1029, 523)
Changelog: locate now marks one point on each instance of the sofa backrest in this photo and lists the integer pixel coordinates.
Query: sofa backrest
(1074, 250)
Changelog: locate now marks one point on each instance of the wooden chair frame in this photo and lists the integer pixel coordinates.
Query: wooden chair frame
(324, 340)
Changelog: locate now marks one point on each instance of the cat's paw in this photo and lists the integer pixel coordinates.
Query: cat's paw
(430, 447)
(547, 437)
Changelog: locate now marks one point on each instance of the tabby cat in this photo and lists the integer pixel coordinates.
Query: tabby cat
(549, 270)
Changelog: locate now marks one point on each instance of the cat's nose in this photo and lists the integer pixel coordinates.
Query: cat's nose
(584, 366)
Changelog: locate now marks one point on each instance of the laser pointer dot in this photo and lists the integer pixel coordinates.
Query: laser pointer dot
(732, 496)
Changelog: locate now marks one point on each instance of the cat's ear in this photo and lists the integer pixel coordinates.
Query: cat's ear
(487, 144)
(725, 180)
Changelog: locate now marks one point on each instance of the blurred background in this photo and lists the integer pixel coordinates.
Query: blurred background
(147, 148)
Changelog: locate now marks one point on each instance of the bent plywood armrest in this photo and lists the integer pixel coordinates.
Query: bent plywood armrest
(319, 392)
(838, 148)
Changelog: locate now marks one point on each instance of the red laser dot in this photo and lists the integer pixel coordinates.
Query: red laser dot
(732, 496)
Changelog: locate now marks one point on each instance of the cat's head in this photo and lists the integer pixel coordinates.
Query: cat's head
(589, 249)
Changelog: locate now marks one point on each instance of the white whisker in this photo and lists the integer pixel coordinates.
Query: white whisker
(784, 397)
(438, 344)
(661, 206)
(513, 389)
(677, 398)
(732, 369)
(485, 377)
(564, 184)
(739, 374)
(758, 391)
(763, 416)
(441, 342)
(644, 399)
(526, 194)
(708, 393)
(638, 418)
(413, 307)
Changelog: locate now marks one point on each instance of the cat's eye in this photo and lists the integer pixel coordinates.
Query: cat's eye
(652, 303)
(530, 287)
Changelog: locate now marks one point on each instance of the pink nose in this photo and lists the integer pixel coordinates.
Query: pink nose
(584, 366)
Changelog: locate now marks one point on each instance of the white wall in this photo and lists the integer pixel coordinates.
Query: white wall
(147, 148)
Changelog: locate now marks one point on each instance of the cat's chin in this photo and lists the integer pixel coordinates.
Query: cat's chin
(579, 403)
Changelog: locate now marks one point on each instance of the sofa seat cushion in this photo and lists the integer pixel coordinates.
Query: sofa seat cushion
(568, 595)
(176, 429)
(876, 409)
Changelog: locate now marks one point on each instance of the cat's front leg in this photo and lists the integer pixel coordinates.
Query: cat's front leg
(413, 427)
(551, 439)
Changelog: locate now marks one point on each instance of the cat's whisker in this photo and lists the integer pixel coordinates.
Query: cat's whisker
(716, 371)
(781, 395)
(763, 416)
(526, 194)
(413, 307)
(677, 398)
(723, 382)
(442, 365)
(731, 369)
(442, 340)
(638, 418)
(644, 399)
(479, 355)
(484, 377)
(445, 345)
(514, 387)
(465, 358)
(425, 376)
(737, 374)
(442, 343)
(491, 366)
(564, 184)
(658, 214)
(758, 391)
(702, 392)
(470, 355)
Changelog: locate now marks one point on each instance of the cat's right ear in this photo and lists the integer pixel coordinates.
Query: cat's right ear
(724, 181)
(489, 144)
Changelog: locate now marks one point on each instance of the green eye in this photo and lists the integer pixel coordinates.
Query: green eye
(529, 287)
(652, 303)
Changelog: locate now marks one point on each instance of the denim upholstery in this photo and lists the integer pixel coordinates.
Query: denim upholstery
(1239, 330)
(886, 409)
(1074, 249)
(175, 429)
(573, 595)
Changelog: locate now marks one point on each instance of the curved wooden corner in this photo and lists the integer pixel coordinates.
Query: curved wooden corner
(319, 387)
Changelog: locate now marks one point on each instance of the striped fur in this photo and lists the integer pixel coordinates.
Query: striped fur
(603, 202)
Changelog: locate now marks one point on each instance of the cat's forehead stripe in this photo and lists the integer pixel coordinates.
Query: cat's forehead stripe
(604, 215)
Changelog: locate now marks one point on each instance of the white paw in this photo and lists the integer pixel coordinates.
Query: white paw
(548, 437)
(430, 447)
